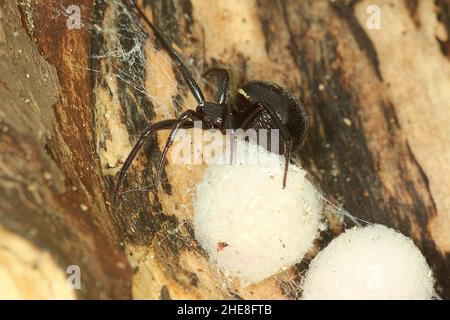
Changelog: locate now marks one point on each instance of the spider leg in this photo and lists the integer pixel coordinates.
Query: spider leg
(192, 84)
(180, 121)
(165, 124)
(227, 115)
(251, 117)
(224, 79)
(284, 133)
(287, 157)
(228, 126)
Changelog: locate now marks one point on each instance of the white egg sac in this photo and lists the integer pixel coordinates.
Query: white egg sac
(250, 226)
(374, 262)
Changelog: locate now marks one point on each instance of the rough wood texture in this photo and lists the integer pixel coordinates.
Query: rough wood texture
(379, 141)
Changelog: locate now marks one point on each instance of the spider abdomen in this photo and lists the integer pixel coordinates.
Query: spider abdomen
(250, 100)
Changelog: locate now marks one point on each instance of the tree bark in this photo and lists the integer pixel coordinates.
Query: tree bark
(72, 106)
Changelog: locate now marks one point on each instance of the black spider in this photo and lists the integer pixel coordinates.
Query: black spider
(258, 105)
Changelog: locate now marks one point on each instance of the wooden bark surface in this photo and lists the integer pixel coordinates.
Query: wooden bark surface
(379, 141)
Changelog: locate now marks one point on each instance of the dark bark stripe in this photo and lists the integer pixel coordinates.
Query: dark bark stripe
(412, 5)
(443, 15)
(361, 37)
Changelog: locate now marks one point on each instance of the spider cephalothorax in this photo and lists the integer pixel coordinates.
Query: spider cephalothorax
(257, 105)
